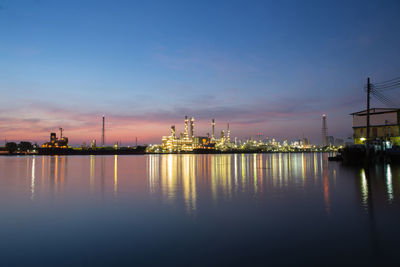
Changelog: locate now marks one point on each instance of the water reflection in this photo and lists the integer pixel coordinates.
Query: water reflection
(115, 175)
(240, 201)
(364, 189)
(92, 172)
(33, 178)
(389, 183)
(178, 176)
(182, 179)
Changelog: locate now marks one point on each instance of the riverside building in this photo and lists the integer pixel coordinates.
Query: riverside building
(384, 125)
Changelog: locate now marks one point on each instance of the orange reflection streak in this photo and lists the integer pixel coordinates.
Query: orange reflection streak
(280, 170)
(315, 166)
(56, 170)
(235, 164)
(193, 190)
(186, 182)
(326, 184)
(189, 182)
(92, 170)
(254, 170)
(303, 168)
(62, 170)
(243, 168)
(290, 166)
(260, 172)
(115, 175)
(213, 178)
(228, 174)
(42, 178)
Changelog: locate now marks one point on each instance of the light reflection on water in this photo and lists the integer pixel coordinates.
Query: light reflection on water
(177, 177)
(273, 193)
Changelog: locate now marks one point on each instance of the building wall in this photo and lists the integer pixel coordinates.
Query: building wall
(376, 119)
(392, 132)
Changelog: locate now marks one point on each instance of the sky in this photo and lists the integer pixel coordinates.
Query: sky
(270, 67)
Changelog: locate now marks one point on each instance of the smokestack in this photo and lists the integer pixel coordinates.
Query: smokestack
(213, 129)
(191, 127)
(324, 130)
(102, 135)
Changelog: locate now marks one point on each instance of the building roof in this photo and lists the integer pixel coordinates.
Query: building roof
(375, 111)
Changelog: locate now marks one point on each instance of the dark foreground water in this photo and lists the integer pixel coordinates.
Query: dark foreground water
(248, 209)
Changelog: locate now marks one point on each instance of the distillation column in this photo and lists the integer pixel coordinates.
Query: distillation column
(191, 128)
(213, 130)
(186, 134)
(228, 134)
(173, 133)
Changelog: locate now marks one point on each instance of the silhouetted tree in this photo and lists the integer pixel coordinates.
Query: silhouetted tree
(25, 146)
(11, 147)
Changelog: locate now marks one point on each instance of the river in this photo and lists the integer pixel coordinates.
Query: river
(216, 209)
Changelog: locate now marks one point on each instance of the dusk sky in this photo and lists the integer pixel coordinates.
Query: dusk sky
(263, 66)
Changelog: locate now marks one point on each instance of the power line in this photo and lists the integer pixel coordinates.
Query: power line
(382, 98)
(387, 87)
(388, 81)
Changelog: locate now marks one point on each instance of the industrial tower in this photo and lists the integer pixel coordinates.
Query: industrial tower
(173, 133)
(191, 128)
(213, 130)
(324, 130)
(228, 134)
(186, 133)
(102, 133)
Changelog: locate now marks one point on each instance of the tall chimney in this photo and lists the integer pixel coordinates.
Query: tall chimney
(324, 131)
(102, 135)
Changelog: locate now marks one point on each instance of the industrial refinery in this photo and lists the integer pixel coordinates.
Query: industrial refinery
(56, 142)
(187, 141)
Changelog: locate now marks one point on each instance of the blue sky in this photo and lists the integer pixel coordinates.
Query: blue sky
(264, 66)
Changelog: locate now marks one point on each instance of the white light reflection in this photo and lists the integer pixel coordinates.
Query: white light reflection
(389, 183)
(91, 179)
(33, 179)
(364, 189)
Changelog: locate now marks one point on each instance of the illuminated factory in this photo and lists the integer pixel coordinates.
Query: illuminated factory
(55, 142)
(187, 141)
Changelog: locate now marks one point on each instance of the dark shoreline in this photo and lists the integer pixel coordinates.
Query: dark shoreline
(110, 153)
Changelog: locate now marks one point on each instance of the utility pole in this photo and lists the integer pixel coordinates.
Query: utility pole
(368, 126)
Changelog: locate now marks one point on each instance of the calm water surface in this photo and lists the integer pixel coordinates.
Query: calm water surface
(247, 209)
